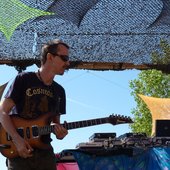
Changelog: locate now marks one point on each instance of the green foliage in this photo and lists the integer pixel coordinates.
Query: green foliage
(150, 83)
(164, 56)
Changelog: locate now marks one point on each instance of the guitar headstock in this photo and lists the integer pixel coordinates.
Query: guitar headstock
(115, 119)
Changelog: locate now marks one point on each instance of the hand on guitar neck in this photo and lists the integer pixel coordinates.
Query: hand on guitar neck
(60, 131)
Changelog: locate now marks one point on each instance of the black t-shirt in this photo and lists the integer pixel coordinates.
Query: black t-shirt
(33, 98)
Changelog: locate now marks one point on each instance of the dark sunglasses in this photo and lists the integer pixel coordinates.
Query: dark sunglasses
(65, 58)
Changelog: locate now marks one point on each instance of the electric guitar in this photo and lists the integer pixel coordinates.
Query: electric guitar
(32, 130)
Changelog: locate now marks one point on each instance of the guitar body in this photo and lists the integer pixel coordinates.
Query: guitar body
(28, 130)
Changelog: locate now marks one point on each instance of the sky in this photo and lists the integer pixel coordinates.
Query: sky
(90, 95)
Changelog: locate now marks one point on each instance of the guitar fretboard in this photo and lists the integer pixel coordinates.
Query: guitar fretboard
(85, 123)
(73, 125)
(79, 124)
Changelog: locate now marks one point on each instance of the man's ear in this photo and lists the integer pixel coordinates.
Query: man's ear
(50, 57)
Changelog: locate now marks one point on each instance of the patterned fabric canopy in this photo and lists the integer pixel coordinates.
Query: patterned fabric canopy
(98, 31)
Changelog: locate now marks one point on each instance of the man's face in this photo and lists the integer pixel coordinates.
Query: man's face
(60, 61)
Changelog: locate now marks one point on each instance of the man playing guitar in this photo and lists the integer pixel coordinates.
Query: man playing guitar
(31, 95)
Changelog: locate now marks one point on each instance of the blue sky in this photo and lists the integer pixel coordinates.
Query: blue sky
(90, 95)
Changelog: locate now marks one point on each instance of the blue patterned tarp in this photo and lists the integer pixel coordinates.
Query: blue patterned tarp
(150, 159)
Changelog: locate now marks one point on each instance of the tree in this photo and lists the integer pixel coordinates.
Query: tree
(151, 83)
(162, 57)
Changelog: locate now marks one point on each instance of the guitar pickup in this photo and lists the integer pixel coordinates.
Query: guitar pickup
(20, 132)
(28, 133)
(35, 131)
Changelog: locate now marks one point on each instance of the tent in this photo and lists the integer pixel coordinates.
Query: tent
(159, 108)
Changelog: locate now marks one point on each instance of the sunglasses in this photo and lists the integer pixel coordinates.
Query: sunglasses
(64, 58)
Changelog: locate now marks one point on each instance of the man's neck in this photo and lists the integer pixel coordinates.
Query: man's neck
(45, 76)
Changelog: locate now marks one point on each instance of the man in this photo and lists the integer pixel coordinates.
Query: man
(32, 95)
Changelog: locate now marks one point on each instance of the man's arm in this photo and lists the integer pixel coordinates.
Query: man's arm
(22, 146)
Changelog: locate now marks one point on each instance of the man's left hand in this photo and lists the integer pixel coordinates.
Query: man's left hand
(60, 131)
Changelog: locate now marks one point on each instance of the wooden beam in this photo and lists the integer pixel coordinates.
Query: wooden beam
(22, 64)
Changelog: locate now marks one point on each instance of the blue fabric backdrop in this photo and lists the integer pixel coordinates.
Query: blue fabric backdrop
(150, 159)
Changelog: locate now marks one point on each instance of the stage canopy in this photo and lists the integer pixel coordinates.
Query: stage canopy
(102, 34)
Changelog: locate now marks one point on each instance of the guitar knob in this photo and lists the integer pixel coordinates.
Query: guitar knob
(11, 152)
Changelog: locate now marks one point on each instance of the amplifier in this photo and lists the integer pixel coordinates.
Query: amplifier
(89, 145)
(162, 128)
(133, 135)
(102, 136)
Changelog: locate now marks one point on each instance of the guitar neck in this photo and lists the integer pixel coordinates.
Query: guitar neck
(85, 123)
(114, 120)
(73, 125)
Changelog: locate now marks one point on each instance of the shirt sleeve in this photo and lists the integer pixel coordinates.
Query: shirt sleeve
(15, 90)
(62, 101)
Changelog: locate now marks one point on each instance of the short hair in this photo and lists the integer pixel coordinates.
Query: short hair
(51, 47)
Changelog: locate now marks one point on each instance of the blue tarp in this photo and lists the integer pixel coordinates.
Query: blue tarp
(150, 159)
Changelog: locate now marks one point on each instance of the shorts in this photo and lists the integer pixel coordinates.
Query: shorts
(41, 160)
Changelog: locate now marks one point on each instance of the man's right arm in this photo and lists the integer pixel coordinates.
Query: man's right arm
(23, 148)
